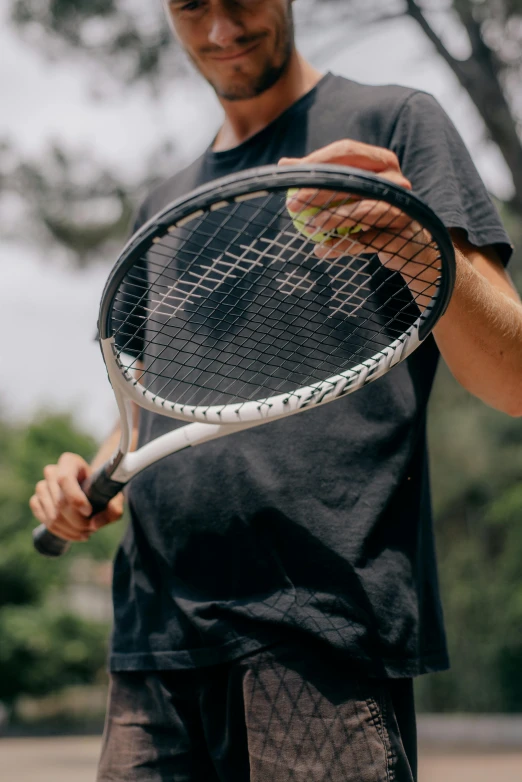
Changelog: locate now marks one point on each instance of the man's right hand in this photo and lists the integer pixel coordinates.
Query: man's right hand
(60, 504)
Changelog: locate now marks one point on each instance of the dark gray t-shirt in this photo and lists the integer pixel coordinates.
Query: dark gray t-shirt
(318, 526)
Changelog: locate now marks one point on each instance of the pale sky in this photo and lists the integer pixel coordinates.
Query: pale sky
(54, 363)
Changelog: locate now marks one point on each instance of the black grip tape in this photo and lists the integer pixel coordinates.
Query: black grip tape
(99, 490)
(47, 544)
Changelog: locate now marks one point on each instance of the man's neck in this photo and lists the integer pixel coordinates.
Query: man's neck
(245, 118)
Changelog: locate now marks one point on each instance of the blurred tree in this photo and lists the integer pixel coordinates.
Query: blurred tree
(476, 451)
(133, 42)
(476, 466)
(480, 547)
(24, 450)
(70, 201)
(45, 649)
(43, 646)
(491, 70)
(129, 40)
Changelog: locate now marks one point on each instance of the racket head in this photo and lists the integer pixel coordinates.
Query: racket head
(224, 299)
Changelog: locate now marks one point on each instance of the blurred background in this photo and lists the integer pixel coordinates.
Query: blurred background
(98, 104)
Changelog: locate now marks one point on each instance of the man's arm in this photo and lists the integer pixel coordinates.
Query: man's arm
(480, 335)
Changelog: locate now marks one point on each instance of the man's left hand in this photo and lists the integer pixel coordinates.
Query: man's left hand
(401, 243)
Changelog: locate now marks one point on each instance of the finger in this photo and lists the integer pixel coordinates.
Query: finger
(306, 198)
(113, 512)
(72, 470)
(356, 154)
(342, 217)
(47, 503)
(60, 526)
(62, 529)
(72, 522)
(337, 248)
(51, 476)
(75, 519)
(397, 178)
(37, 509)
(289, 161)
(73, 496)
(379, 214)
(369, 241)
(369, 214)
(398, 247)
(390, 175)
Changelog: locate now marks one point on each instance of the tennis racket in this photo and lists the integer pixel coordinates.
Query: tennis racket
(262, 295)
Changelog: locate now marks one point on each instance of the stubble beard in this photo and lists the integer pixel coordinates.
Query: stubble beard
(269, 76)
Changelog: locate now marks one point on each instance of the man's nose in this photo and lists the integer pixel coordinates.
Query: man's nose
(225, 30)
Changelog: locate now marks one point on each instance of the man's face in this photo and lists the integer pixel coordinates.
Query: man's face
(241, 47)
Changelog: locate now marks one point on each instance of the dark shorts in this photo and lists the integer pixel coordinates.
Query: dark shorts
(280, 715)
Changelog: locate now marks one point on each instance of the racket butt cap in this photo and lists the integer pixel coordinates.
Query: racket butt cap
(49, 545)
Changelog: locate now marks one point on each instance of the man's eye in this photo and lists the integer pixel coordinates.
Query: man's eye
(179, 6)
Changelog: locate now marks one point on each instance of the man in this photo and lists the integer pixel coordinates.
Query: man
(273, 602)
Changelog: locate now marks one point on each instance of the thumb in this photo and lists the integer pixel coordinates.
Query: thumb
(113, 512)
(289, 161)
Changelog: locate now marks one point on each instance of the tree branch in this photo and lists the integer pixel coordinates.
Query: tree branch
(341, 42)
(415, 12)
(479, 76)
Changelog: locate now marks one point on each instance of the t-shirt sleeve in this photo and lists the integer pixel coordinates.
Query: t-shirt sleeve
(435, 159)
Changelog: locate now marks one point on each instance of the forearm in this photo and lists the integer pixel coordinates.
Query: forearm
(109, 446)
(480, 338)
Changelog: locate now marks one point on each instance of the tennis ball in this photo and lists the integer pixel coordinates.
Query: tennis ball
(300, 219)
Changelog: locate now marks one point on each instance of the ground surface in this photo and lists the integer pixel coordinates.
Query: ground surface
(68, 759)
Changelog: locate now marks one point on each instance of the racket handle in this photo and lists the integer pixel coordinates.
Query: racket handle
(47, 544)
(100, 490)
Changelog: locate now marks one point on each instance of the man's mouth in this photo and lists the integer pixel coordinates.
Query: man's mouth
(236, 55)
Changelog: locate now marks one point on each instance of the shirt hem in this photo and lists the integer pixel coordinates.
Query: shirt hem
(377, 667)
(189, 658)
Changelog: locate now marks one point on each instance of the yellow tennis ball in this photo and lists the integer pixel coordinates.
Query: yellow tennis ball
(300, 219)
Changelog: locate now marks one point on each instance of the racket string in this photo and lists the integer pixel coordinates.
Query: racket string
(236, 306)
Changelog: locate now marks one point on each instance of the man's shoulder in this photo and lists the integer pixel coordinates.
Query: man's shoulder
(368, 112)
(378, 96)
(168, 190)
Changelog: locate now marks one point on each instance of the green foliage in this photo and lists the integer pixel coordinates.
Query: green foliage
(476, 456)
(478, 463)
(476, 452)
(43, 650)
(42, 646)
(480, 573)
(24, 577)
(24, 451)
(477, 467)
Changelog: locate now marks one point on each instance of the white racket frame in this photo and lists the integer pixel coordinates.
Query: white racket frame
(206, 423)
(210, 422)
